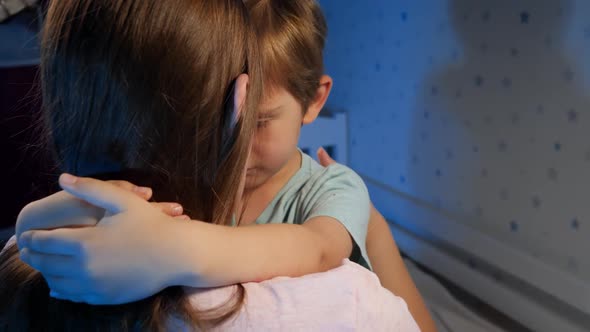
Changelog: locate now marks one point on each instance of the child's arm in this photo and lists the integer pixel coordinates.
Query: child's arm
(213, 255)
(135, 250)
(387, 262)
(388, 265)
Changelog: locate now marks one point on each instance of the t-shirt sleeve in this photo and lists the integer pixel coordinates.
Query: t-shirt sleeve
(338, 192)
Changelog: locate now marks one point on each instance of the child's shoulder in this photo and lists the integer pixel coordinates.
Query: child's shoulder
(335, 174)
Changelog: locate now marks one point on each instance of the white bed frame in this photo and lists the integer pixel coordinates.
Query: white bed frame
(542, 297)
(537, 295)
(328, 132)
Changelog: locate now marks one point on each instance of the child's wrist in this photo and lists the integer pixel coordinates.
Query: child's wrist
(184, 254)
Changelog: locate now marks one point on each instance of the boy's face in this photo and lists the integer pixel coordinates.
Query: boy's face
(280, 117)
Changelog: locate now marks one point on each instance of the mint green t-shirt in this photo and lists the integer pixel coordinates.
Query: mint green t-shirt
(335, 191)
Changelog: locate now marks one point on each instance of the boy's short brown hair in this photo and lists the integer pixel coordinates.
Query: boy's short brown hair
(292, 36)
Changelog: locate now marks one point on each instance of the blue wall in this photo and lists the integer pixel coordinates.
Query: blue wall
(478, 108)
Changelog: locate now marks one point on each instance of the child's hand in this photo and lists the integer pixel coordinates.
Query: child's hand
(117, 261)
(64, 210)
(324, 158)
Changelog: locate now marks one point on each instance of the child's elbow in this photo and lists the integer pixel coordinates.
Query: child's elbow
(330, 259)
(331, 241)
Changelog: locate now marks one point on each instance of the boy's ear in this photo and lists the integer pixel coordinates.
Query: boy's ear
(313, 110)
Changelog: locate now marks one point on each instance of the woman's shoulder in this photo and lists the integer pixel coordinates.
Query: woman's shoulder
(298, 288)
(349, 297)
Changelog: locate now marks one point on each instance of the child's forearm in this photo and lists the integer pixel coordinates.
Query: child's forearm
(216, 255)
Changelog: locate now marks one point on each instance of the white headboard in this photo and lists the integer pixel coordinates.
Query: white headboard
(330, 132)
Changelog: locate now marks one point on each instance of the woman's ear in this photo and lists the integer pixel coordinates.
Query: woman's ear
(240, 92)
(313, 110)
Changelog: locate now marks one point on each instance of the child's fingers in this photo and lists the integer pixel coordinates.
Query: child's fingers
(58, 210)
(98, 193)
(183, 217)
(49, 264)
(143, 192)
(324, 158)
(171, 209)
(68, 289)
(63, 296)
(61, 241)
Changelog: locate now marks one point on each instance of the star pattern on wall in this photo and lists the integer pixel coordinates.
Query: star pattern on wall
(478, 80)
(552, 174)
(575, 224)
(536, 201)
(572, 116)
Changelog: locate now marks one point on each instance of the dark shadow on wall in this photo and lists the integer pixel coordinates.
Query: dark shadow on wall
(482, 118)
(498, 132)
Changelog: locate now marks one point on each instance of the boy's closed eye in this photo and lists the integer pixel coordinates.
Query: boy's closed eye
(265, 117)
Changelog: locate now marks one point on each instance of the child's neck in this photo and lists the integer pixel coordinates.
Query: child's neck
(259, 198)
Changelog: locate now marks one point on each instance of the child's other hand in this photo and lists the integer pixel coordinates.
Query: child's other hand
(122, 259)
(324, 158)
(64, 210)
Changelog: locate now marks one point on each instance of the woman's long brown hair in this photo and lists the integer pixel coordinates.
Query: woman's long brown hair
(141, 87)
